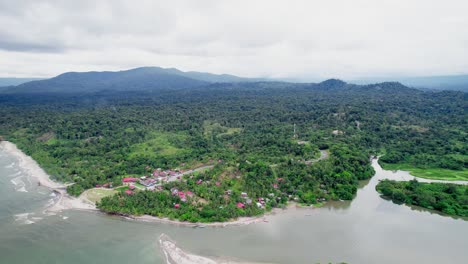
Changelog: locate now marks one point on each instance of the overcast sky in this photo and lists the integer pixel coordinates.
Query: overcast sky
(283, 39)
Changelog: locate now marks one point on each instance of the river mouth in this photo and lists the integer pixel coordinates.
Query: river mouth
(368, 229)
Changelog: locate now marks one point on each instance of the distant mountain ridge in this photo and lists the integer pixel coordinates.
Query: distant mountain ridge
(449, 82)
(6, 81)
(156, 78)
(138, 79)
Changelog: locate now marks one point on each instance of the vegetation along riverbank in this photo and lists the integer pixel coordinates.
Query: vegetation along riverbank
(451, 199)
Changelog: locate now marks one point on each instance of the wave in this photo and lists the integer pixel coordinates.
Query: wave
(16, 174)
(23, 219)
(19, 183)
(49, 203)
(10, 165)
(22, 189)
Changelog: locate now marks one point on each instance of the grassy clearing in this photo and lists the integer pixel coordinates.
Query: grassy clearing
(430, 173)
(216, 129)
(121, 188)
(96, 194)
(160, 144)
(139, 186)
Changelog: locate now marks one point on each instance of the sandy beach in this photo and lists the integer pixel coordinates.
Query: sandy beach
(235, 222)
(238, 222)
(175, 255)
(32, 169)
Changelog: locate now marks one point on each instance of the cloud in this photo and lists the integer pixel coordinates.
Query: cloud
(298, 39)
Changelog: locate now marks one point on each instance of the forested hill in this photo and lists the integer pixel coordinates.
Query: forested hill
(139, 79)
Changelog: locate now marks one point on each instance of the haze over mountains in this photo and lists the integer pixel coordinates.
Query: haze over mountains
(156, 78)
(15, 81)
(449, 82)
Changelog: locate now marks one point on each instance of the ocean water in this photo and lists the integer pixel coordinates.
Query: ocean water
(367, 230)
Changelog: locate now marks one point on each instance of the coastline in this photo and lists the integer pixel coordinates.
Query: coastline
(241, 221)
(66, 202)
(32, 169)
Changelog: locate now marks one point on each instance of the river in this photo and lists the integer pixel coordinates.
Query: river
(367, 230)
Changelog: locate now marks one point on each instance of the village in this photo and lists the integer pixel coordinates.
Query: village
(155, 181)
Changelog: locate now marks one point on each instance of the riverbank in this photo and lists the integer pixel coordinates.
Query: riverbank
(28, 165)
(241, 221)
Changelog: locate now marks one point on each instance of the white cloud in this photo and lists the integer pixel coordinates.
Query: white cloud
(302, 39)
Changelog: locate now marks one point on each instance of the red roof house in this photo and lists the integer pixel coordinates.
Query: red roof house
(176, 206)
(128, 192)
(240, 205)
(128, 179)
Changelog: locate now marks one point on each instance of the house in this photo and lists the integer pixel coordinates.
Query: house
(240, 205)
(189, 193)
(261, 200)
(199, 181)
(131, 187)
(259, 205)
(218, 183)
(176, 206)
(128, 192)
(129, 180)
(243, 194)
(174, 191)
(98, 185)
(228, 192)
(148, 182)
(275, 185)
(248, 201)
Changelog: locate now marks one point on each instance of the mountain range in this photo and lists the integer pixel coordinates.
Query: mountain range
(156, 78)
(138, 79)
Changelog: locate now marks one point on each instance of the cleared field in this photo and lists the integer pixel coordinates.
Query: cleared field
(96, 194)
(215, 129)
(160, 144)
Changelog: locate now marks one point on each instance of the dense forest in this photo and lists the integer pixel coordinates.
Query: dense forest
(264, 135)
(451, 199)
